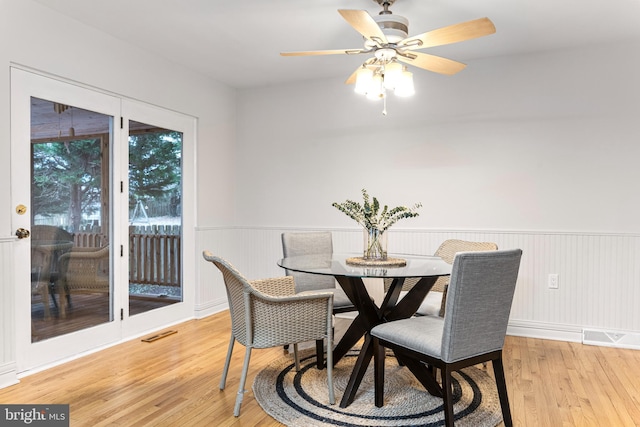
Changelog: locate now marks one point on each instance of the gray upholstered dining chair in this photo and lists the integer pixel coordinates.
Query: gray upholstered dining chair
(268, 313)
(472, 331)
(312, 243)
(434, 302)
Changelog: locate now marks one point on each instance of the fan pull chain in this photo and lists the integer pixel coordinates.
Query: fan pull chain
(384, 106)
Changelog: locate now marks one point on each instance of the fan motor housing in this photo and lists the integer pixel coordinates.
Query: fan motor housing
(395, 27)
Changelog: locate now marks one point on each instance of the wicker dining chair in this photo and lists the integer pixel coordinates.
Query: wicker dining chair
(268, 313)
(472, 331)
(435, 301)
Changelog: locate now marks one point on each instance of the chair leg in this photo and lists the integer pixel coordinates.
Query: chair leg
(62, 295)
(447, 395)
(45, 301)
(332, 396)
(52, 293)
(320, 354)
(498, 370)
(225, 370)
(296, 358)
(243, 380)
(379, 355)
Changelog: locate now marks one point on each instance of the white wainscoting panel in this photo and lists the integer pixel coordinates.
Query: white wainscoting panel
(8, 369)
(599, 274)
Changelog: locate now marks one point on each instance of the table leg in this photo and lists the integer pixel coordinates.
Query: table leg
(422, 374)
(355, 331)
(408, 305)
(360, 368)
(369, 315)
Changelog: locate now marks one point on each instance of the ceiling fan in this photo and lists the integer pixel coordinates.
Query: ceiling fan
(386, 37)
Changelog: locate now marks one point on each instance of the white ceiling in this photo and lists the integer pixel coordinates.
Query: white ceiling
(237, 42)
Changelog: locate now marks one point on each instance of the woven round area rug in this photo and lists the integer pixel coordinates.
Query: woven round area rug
(301, 398)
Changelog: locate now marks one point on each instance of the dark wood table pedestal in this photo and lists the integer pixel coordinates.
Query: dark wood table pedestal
(370, 315)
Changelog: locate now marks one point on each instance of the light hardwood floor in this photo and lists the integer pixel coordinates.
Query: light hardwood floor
(174, 382)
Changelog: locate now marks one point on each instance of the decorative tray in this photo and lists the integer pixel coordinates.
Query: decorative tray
(389, 262)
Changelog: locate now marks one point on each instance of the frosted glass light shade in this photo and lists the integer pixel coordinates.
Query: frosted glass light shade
(405, 86)
(364, 80)
(392, 75)
(376, 91)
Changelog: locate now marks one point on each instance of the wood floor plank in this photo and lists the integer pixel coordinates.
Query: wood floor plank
(174, 381)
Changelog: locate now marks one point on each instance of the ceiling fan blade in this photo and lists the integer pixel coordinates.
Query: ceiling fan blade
(363, 23)
(451, 34)
(352, 78)
(437, 64)
(325, 52)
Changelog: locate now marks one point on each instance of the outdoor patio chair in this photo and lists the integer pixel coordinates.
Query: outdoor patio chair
(434, 302)
(48, 243)
(83, 270)
(268, 313)
(472, 330)
(40, 287)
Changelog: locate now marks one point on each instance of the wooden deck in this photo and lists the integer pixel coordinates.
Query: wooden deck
(87, 310)
(174, 382)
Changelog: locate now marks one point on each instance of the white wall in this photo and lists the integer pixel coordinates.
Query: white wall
(535, 142)
(537, 151)
(33, 36)
(36, 37)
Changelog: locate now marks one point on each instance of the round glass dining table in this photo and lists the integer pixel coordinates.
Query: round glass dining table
(349, 276)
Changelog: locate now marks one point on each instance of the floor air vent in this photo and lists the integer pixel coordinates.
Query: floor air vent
(156, 337)
(611, 338)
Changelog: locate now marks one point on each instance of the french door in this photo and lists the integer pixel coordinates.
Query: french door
(157, 155)
(86, 275)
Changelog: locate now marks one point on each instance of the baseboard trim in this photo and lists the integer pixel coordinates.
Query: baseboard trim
(213, 307)
(8, 375)
(543, 330)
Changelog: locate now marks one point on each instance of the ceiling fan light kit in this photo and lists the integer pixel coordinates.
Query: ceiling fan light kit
(386, 37)
(374, 82)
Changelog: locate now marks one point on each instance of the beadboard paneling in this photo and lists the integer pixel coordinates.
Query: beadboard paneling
(599, 274)
(7, 314)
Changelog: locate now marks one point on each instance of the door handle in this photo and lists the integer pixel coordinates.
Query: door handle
(22, 233)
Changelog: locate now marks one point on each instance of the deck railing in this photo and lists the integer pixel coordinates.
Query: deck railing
(155, 253)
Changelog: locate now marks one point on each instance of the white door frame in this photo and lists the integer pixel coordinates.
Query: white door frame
(35, 356)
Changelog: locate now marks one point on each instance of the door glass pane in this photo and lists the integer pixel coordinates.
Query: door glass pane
(70, 262)
(155, 217)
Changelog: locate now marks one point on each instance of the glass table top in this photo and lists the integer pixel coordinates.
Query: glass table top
(335, 265)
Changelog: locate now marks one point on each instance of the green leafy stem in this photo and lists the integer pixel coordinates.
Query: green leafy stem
(369, 215)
